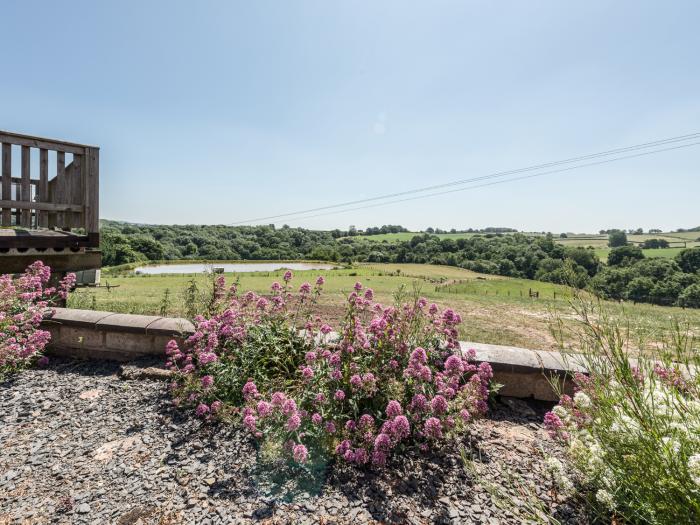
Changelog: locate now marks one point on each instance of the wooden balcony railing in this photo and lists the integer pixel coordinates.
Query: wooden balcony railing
(64, 201)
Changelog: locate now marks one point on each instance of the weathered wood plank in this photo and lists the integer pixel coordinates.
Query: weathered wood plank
(6, 182)
(26, 195)
(43, 188)
(45, 206)
(38, 142)
(92, 190)
(59, 193)
(75, 189)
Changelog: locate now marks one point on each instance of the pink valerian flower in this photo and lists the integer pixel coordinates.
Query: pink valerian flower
(278, 399)
(326, 329)
(356, 382)
(320, 281)
(418, 403)
(287, 276)
(216, 406)
(305, 289)
(300, 453)
(207, 357)
(393, 409)
(250, 422)
(250, 390)
(438, 405)
(66, 285)
(330, 427)
(369, 294)
(553, 424)
(202, 410)
(207, 381)
(432, 428)
(350, 425)
(366, 421)
(293, 423)
(320, 398)
(358, 286)
(316, 418)
(310, 357)
(307, 373)
(276, 287)
(339, 395)
(400, 427)
(289, 407)
(264, 408)
(454, 365)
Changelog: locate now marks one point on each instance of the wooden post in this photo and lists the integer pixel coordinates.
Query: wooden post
(43, 216)
(59, 193)
(92, 192)
(6, 182)
(26, 216)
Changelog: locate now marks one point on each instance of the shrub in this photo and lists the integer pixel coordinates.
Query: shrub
(252, 337)
(390, 378)
(625, 255)
(690, 297)
(22, 304)
(632, 429)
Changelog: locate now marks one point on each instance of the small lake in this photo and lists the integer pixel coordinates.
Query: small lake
(231, 267)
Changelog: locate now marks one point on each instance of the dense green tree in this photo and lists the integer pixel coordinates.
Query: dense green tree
(625, 255)
(690, 297)
(617, 238)
(652, 244)
(689, 260)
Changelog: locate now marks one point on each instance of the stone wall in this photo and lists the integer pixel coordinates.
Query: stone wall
(90, 334)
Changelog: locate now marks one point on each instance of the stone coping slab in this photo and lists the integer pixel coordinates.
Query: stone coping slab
(115, 322)
(75, 317)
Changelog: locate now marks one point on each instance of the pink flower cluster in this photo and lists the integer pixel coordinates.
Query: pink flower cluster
(403, 358)
(23, 302)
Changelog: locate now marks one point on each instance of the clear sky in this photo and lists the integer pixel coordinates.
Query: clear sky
(215, 112)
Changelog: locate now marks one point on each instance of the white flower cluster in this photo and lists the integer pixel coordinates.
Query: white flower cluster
(556, 469)
(619, 421)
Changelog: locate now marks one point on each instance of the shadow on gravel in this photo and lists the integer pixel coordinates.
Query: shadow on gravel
(91, 367)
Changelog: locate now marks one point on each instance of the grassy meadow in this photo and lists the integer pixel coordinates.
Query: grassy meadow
(495, 309)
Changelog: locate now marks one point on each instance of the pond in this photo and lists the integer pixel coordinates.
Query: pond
(231, 267)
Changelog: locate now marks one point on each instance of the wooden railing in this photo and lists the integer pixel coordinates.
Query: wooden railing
(66, 199)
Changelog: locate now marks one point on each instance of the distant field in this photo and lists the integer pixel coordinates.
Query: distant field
(583, 239)
(495, 309)
(602, 253)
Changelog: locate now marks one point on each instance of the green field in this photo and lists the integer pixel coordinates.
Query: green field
(495, 309)
(598, 242)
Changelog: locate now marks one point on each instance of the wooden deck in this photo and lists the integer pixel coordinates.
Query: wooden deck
(49, 195)
(21, 238)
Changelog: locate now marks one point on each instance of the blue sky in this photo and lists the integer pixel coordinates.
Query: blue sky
(216, 112)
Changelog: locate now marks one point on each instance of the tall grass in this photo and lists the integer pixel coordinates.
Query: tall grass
(632, 429)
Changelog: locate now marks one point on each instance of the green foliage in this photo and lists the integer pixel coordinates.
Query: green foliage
(689, 260)
(617, 238)
(657, 281)
(690, 297)
(625, 255)
(654, 244)
(632, 430)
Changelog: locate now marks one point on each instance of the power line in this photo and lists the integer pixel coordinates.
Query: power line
(523, 177)
(635, 147)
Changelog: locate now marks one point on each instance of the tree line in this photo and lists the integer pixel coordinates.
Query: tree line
(663, 281)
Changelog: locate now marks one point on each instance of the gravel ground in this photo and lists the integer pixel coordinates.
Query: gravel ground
(81, 443)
